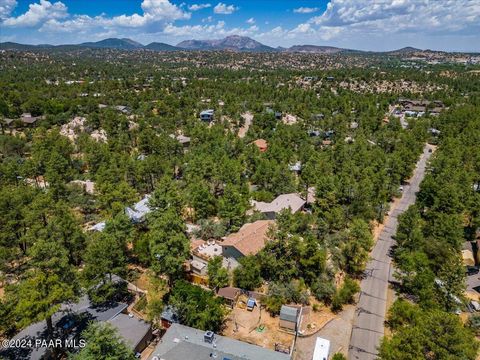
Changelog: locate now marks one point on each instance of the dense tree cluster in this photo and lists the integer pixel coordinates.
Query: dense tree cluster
(353, 158)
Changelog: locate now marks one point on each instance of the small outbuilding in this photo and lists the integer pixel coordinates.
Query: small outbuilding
(207, 115)
(290, 317)
(229, 294)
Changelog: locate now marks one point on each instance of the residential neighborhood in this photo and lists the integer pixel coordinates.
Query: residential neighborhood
(239, 180)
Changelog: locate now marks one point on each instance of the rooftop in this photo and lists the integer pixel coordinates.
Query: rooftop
(281, 202)
(261, 143)
(131, 328)
(251, 237)
(288, 313)
(139, 210)
(79, 313)
(209, 249)
(229, 292)
(207, 112)
(181, 342)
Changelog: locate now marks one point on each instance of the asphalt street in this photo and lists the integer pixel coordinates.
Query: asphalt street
(369, 319)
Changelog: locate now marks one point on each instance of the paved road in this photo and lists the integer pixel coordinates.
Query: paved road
(368, 325)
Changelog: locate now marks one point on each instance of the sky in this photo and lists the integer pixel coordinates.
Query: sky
(452, 25)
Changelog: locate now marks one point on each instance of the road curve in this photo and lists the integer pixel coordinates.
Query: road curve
(369, 319)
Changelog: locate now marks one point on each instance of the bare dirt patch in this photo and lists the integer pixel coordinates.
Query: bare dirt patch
(256, 327)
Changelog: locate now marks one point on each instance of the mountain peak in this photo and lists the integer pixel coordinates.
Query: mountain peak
(114, 43)
(231, 42)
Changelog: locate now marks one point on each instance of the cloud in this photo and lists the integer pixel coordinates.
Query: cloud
(38, 13)
(363, 24)
(196, 7)
(217, 30)
(394, 16)
(305, 10)
(6, 8)
(224, 9)
(50, 17)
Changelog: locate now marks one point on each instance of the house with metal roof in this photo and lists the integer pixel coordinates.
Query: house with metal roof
(285, 201)
(182, 342)
(138, 211)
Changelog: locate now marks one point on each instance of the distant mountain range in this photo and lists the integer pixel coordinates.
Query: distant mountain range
(231, 43)
(234, 42)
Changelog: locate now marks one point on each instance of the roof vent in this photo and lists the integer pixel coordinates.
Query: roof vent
(208, 337)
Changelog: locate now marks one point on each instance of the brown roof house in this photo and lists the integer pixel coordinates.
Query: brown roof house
(285, 201)
(261, 144)
(249, 240)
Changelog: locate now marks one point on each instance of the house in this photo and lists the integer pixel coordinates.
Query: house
(322, 349)
(285, 201)
(249, 240)
(207, 115)
(182, 139)
(229, 294)
(7, 121)
(139, 210)
(123, 109)
(88, 186)
(314, 133)
(261, 144)
(201, 253)
(198, 267)
(168, 317)
(182, 343)
(296, 167)
(72, 319)
(28, 119)
(290, 317)
(98, 227)
(136, 332)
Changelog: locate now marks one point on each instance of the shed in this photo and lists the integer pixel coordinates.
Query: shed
(229, 294)
(290, 317)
